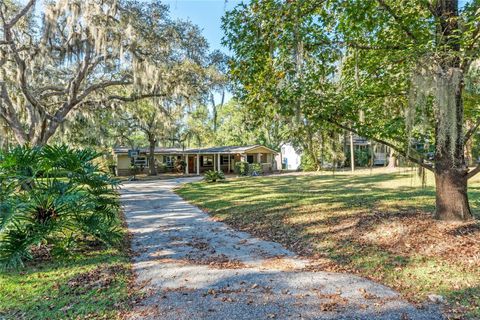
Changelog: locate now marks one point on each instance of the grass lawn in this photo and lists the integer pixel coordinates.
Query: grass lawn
(92, 284)
(374, 223)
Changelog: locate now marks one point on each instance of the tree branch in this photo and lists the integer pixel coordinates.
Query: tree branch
(20, 14)
(397, 18)
(388, 144)
(9, 115)
(135, 97)
(471, 131)
(102, 85)
(473, 172)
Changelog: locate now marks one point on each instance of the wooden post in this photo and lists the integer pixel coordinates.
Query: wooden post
(229, 156)
(218, 161)
(186, 163)
(352, 154)
(198, 164)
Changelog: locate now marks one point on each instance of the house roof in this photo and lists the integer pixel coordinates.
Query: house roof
(146, 150)
(220, 149)
(227, 149)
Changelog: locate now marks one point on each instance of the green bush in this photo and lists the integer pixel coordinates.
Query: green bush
(54, 196)
(307, 164)
(362, 157)
(214, 176)
(248, 169)
(242, 168)
(255, 169)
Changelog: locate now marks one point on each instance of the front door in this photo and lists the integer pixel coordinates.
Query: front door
(191, 164)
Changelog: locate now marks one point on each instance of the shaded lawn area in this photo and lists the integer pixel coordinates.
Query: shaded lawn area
(91, 284)
(374, 223)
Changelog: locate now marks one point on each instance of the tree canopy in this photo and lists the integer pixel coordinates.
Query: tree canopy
(79, 55)
(395, 72)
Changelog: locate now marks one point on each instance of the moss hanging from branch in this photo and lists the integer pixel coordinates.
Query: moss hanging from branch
(433, 85)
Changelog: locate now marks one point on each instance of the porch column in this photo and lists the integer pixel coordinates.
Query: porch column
(214, 163)
(198, 164)
(218, 162)
(259, 158)
(186, 163)
(229, 156)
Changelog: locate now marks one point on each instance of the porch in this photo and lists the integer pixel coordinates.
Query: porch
(196, 161)
(201, 162)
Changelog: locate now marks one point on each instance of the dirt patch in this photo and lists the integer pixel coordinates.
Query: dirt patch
(279, 263)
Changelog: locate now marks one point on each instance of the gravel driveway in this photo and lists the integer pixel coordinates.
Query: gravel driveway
(191, 267)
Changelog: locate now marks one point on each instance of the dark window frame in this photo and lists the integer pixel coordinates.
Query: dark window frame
(207, 163)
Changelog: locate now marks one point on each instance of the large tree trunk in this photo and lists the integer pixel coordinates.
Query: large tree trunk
(450, 166)
(151, 156)
(451, 195)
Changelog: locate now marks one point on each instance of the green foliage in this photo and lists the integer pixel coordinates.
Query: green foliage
(255, 169)
(214, 176)
(55, 196)
(362, 157)
(350, 63)
(307, 164)
(242, 168)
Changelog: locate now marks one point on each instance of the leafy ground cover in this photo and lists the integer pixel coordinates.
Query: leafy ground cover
(375, 223)
(92, 283)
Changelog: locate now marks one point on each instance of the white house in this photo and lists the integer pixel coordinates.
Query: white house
(290, 158)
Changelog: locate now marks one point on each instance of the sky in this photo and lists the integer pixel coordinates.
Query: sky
(206, 14)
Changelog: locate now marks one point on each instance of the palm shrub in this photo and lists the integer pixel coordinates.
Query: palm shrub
(214, 176)
(55, 196)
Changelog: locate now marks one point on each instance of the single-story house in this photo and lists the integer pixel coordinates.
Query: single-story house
(198, 160)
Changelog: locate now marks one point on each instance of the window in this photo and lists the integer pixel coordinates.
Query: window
(207, 161)
(141, 162)
(250, 158)
(224, 159)
(169, 161)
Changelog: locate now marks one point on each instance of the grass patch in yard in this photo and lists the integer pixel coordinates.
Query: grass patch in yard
(91, 284)
(375, 223)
